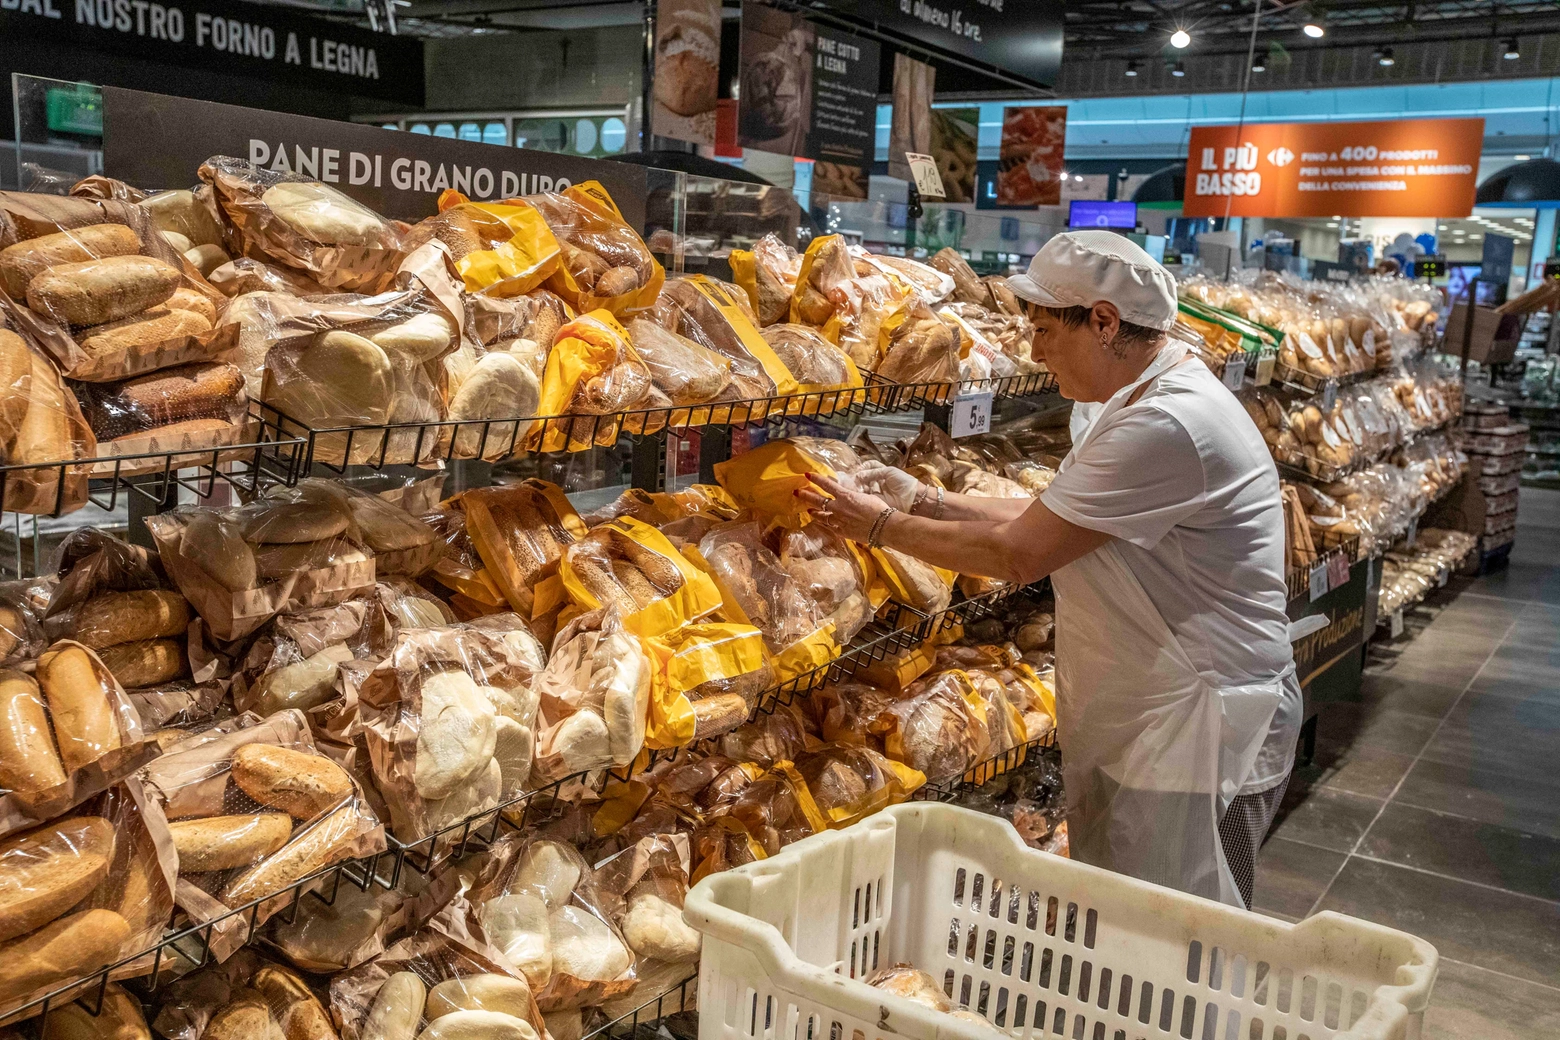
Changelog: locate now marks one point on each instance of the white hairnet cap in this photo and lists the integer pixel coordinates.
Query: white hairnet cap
(1082, 268)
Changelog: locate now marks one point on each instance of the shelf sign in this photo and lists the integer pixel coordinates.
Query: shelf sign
(927, 180)
(971, 414)
(1396, 625)
(1318, 581)
(1234, 371)
(1337, 570)
(1266, 362)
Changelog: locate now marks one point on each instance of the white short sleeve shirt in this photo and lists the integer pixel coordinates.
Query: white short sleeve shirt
(1184, 480)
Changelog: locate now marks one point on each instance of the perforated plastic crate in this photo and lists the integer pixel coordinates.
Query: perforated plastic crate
(1039, 945)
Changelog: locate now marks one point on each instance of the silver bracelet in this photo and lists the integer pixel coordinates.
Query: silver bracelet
(939, 514)
(876, 533)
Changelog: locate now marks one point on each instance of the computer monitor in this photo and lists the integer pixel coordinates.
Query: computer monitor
(1087, 213)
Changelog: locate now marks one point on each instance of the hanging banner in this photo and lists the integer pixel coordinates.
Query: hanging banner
(1400, 168)
(1034, 140)
(806, 90)
(1020, 37)
(910, 129)
(244, 39)
(687, 69)
(154, 142)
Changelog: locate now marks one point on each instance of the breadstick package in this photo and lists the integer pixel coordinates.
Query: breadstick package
(449, 716)
(100, 289)
(287, 219)
(630, 566)
(604, 263)
(253, 811)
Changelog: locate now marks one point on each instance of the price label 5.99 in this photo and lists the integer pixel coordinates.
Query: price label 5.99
(971, 414)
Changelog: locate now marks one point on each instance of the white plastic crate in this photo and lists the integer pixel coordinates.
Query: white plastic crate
(1039, 945)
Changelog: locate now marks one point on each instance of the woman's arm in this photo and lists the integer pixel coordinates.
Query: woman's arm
(904, 492)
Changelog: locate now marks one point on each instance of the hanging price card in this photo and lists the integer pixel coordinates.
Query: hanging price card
(1318, 581)
(1234, 371)
(971, 414)
(1337, 571)
(927, 180)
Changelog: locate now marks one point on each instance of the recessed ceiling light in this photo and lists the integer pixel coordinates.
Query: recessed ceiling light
(1178, 70)
(1331, 224)
(1180, 39)
(1384, 57)
(1314, 31)
(1132, 68)
(1441, 227)
(1522, 158)
(1512, 53)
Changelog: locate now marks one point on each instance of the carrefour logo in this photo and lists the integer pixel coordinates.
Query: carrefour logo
(1281, 156)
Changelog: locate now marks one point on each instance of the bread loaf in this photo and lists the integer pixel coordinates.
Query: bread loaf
(16, 365)
(276, 562)
(13, 629)
(149, 662)
(550, 870)
(206, 258)
(44, 434)
(246, 1017)
(182, 212)
(419, 338)
(69, 948)
(203, 390)
(478, 1025)
(119, 1018)
(501, 993)
(456, 735)
(78, 698)
(513, 749)
(323, 214)
(296, 782)
(196, 303)
(225, 842)
(322, 844)
(96, 291)
(290, 523)
(386, 528)
(398, 1007)
(28, 759)
(152, 327)
(295, 1007)
(216, 547)
(585, 947)
(655, 929)
(25, 260)
(517, 924)
(302, 684)
(50, 869)
(126, 617)
(336, 379)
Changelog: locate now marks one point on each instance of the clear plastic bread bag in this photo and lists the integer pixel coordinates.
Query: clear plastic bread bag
(849, 783)
(520, 532)
(450, 720)
(818, 366)
(449, 971)
(71, 733)
(604, 263)
(631, 566)
(595, 698)
(921, 348)
(500, 249)
(304, 224)
(102, 291)
(40, 422)
(686, 372)
(833, 573)
(87, 890)
(854, 713)
(767, 273)
(757, 590)
(717, 316)
(707, 680)
(593, 373)
(252, 812)
(647, 884)
(771, 737)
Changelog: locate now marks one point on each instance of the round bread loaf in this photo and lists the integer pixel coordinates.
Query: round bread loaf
(336, 379)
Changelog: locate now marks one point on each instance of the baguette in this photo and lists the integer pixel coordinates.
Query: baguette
(50, 869)
(28, 759)
(44, 432)
(96, 291)
(225, 842)
(298, 1010)
(324, 843)
(128, 617)
(69, 948)
(398, 1006)
(149, 662)
(24, 261)
(296, 782)
(119, 1018)
(78, 699)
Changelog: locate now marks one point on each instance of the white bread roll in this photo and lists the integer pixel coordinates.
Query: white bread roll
(655, 929)
(499, 993)
(517, 924)
(323, 214)
(478, 1025)
(456, 736)
(585, 947)
(550, 870)
(398, 1007)
(419, 338)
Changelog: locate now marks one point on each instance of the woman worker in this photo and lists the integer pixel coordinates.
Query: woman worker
(1177, 706)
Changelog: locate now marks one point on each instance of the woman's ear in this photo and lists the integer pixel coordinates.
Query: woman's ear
(1105, 321)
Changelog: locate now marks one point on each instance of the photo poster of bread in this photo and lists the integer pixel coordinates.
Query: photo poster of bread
(838, 181)
(1034, 139)
(687, 69)
(775, 84)
(955, 135)
(911, 127)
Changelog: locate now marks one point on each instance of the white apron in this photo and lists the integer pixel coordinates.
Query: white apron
(1151, 754)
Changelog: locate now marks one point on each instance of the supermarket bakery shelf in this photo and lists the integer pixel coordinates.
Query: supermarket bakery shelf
(1298, 579)
(678, 998)
(993, 767)
(262, 457)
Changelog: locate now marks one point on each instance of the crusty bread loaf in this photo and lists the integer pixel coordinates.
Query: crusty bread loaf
(276, 562)
(246, 1017)
(125, 617)
(293, 523)
(74, 687)
(16, 364)
(324, 843)
(119, 1018)
(146, 662)
(478, 1025)
(398, 1006)
(69, 948)
(13, 629)
(386, 528)
(194, 302)
(217, 548)
(294, 1005)
(44, 434)
(22, 262)
(50, 869)
(296, 782)
(150, 328)
(225, 842)
(203, 390)
(28, 758)
(95, 291)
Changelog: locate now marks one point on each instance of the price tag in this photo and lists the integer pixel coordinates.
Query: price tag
(1318, 581)
(927, 180)
(1234, 371)
(1265, 365)
(1337, 571)
(1441, 576)
(971, 414)
(1413, 533)
(1397, 623)
(1329, 394)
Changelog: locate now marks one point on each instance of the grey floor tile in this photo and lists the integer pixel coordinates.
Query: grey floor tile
(1360, 769)
(1389, 729)
(1471, 1003)
(1486, 927)
(1515, 735)
(1525, 803)
(1387, 690)
(1526, 672)
(1486, 853)
(1520, 580)
(1291, 877)
(1324, 817)
(1539, 626)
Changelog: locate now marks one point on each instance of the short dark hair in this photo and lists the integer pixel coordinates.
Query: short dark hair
(1128, 337)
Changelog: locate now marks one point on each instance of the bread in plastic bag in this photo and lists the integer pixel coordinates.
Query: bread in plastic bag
(908, 981)
(766, 479)
(715, 315)
(771, 737)
(833, 574)
(684, 371)
(40, 422)
(631, 566)
(501, 249)
(604, 263)
(520, 532)
(595, 697)
(767, 273)
(593, 370)
(848, 783)
(650, 882)
(941, 726)
(707, 679)
(922, 348)
(757, 590)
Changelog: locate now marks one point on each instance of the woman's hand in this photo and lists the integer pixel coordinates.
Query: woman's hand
(894, 486)
(849, 514)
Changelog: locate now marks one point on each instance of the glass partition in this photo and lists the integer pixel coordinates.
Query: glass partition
(59, 133)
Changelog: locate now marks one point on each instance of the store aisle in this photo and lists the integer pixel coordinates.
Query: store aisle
(1433, 805)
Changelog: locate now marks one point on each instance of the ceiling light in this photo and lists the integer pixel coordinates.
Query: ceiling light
(1260, 65)
(1314, 31)
(1132, 68)
(1440, 227)
(1180, 39)
(1512, 53)
(1331, 224)
(1384, 57)
(1178, 70)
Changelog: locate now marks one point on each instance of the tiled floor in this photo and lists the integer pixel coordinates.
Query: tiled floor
(1433, 804)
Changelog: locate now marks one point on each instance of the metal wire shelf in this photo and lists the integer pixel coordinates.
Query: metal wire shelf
(263, 458)
(1298, 579)
(683, 994)
(983, 773)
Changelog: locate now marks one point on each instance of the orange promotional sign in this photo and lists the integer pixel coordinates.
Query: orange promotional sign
(1401, 168)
